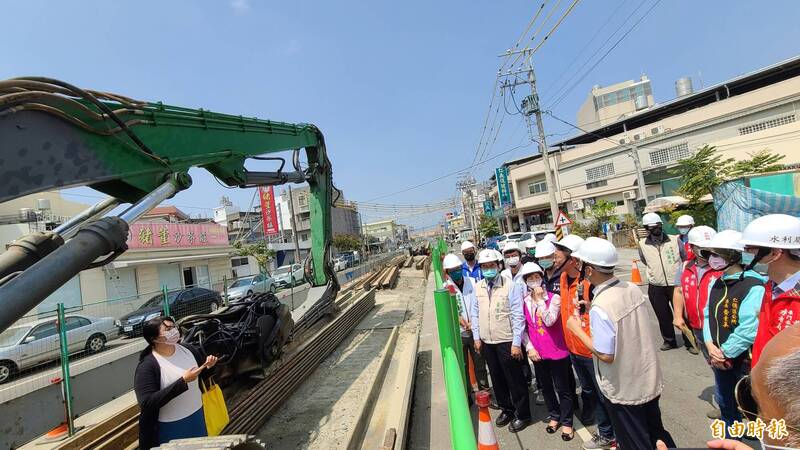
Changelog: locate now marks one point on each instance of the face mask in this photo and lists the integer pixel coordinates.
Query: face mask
(546, 263)
(171, 337)
(747, 258)
(456, 275)
(717, 262)
(489, 274)
(469, 256)
(655, 231)
(532, 252)
(683, 230)
(513, 261)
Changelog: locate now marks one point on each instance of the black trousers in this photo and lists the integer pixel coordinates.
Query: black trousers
(557, 388)
(638, 426)
(508, 380)
(661, 300)
(481, 375)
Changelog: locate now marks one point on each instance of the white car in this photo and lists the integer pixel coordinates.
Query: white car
(508, 237)
(340, 264)
(290, 275)
(36, 343)
(250, 285)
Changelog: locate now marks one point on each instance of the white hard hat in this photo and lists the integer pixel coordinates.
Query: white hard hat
(651, 219)
(530, 243)
(451, 261)
(497, 255)
(550, 237)
(529, 268)
(544, 249)
(684, 221)
(466, 245)
(597, 251)
(726, 240)
(700, 235)
(510, 247)
(487, 256)
(570, 242)
(773, 231)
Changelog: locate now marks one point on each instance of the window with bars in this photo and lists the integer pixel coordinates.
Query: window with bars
(595, 173)
(767, 124)
(670, 154)
(537, 187)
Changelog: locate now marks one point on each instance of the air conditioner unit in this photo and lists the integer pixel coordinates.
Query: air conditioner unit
(576, 205)
(629, 195)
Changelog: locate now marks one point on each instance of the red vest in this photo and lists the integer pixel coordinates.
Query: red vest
(776, 315)
(695, 294)
(689, 253)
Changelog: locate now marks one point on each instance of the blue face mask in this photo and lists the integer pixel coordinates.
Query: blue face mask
(489, 274)
(546, 263)
(747, 258)
(456, 275)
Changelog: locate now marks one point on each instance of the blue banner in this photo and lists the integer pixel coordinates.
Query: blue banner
(488, 207)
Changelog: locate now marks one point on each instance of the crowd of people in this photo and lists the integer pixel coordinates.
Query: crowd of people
(551, 316)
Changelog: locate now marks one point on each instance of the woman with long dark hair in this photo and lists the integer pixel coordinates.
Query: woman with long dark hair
(166, 385)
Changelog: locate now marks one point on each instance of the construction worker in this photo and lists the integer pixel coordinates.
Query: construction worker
(512, 257)
(463, 288)
(544, 343)
(470, 266)
(530, 251)
(626, 362)
(684, 224)
(576, 294)
(694, 281)
(547, 259)
(498, 323)
(774, 240)
(730, 318)
(660, 252)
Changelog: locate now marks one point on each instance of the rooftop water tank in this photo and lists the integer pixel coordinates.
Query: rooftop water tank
(683, 87)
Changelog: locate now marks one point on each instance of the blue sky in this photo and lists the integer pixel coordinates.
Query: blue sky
(400, 89)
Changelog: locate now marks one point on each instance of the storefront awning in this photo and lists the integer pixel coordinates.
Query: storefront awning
(136, 262)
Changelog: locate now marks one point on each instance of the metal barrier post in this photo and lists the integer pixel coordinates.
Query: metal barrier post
(225, 290)
(165, 290)
(65, 380)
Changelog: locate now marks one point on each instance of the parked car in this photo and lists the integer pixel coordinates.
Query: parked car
(243, 287)
(492, 242)
(353, 258)
(509, 237)
(37, 343)
(290, 275)
(182, 303)
(539, 235)
(340, 264)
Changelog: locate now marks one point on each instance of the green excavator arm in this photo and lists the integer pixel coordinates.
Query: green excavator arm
(54, 135)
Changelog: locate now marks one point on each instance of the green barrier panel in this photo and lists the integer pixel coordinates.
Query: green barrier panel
(436, 265)
(66, 382)
(462, 434)
(165, 291)
(457, 336)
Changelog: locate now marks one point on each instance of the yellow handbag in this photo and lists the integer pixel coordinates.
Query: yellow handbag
(214, 409)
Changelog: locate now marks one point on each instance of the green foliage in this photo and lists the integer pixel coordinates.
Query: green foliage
(346, 242)
(703, 214)
(488, 226)
(629, 222)
(259, 251)
(603, 212)
(584, 230)
(761, 161)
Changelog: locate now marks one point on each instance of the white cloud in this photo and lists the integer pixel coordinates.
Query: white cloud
(240, 6)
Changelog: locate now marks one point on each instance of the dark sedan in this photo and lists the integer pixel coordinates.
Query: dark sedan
(181, 304)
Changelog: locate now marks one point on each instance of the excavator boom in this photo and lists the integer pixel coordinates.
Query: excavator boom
(54, 135)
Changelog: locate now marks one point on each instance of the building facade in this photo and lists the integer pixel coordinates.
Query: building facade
(611, 103)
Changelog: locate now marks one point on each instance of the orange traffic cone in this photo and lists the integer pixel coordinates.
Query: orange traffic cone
(486, 437)
(636, 277)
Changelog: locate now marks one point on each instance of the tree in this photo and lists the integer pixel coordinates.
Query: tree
(604, 212)
(259, 251)
(702, 172)
(487, 226)
(346, 242)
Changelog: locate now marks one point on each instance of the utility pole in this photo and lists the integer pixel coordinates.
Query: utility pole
(634, 154)
(466, 185)
(294, 228)
(530, 106)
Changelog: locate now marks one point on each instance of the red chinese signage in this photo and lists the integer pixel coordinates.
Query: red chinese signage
(176, 235)
(268, 213)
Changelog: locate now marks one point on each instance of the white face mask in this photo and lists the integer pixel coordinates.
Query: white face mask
(512, 261)
(171, 337)
(717, 262)
(533, 283)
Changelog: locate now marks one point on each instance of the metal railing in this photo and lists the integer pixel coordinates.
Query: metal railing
(462, 433)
